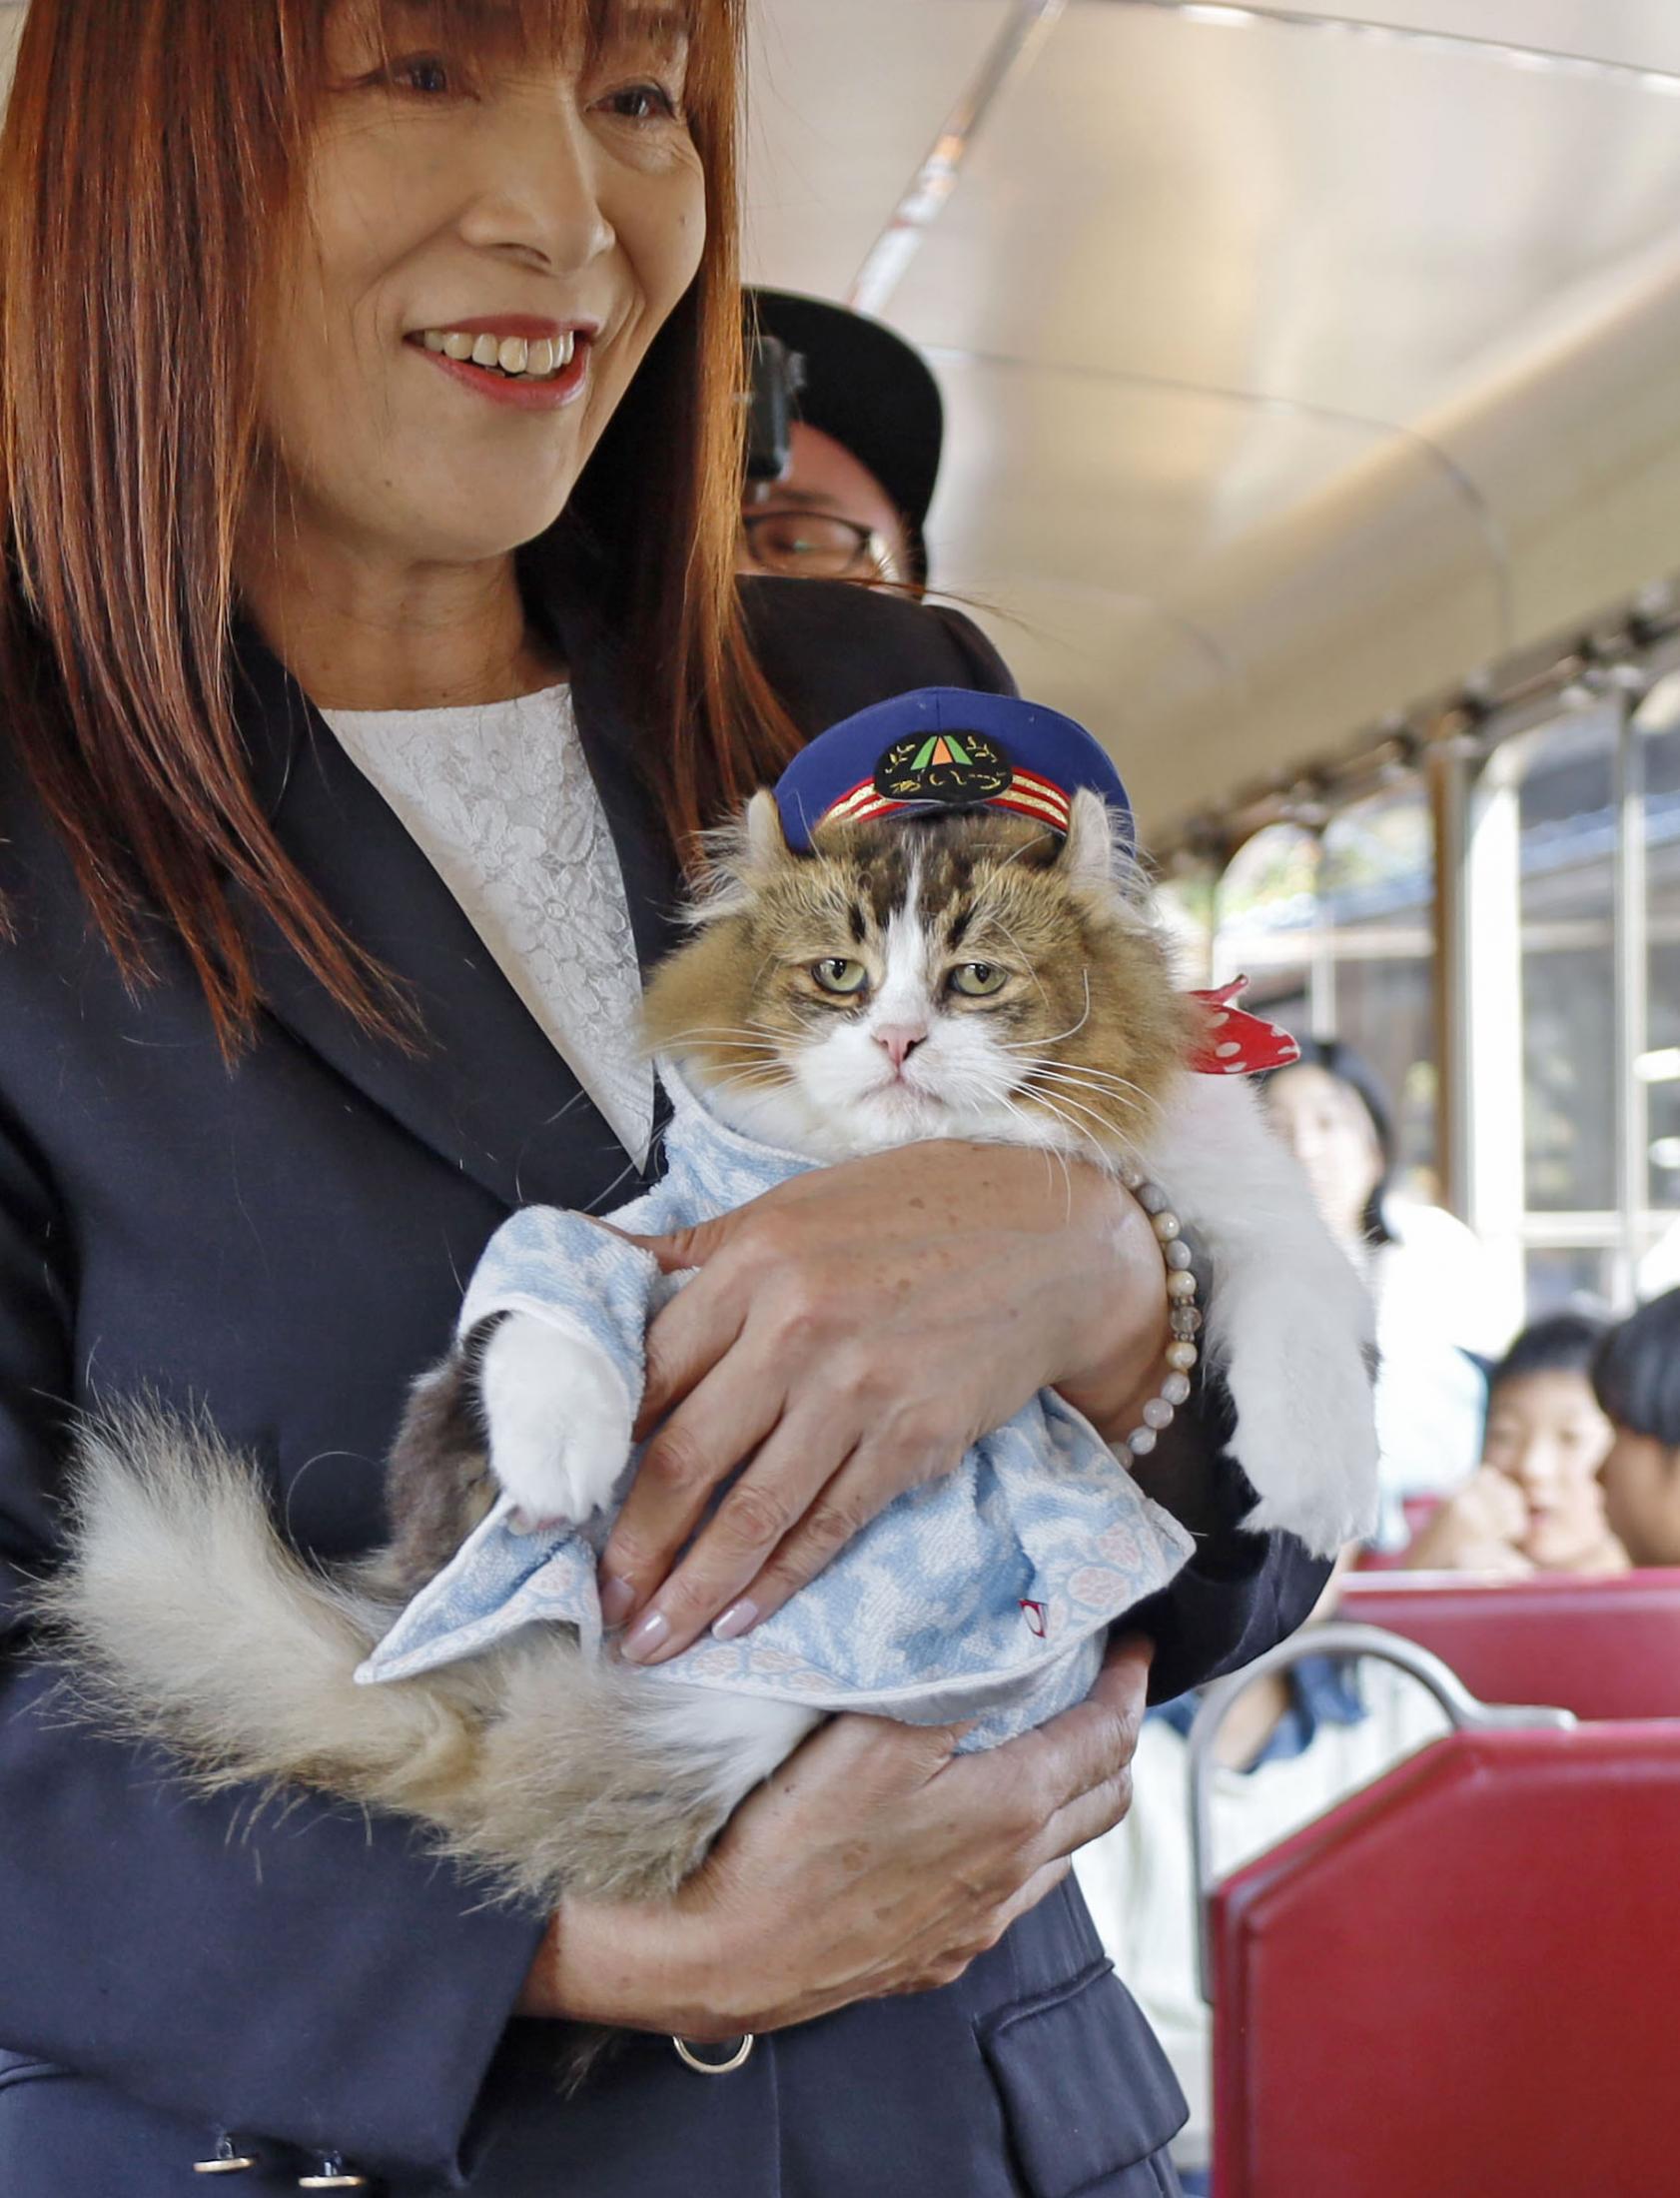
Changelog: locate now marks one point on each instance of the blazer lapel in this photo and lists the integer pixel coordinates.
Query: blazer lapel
(638, 832)
(486, 1089)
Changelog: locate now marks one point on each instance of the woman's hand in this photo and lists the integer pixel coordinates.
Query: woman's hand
(876, 1860)
(1479, 1529)
(852, 1333)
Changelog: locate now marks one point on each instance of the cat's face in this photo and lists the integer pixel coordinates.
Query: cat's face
(973, 976)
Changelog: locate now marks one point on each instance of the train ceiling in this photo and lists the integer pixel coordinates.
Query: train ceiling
(1297, 360)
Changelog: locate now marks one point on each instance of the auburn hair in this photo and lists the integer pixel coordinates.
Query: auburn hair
(150, 168)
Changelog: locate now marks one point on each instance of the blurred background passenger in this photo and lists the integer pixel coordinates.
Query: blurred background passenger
(1637, 1377)
(847, 430)
(1536, 1505)
(1437, 1315)
(1293, 1744)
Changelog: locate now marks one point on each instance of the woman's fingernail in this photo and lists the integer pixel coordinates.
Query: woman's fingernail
(619, 1599)
(735, 1619)
(645, 1635)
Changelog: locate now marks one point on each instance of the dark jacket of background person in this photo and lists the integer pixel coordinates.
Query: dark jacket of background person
(285, 1247)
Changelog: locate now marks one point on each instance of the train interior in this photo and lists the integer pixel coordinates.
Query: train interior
(1311, 434)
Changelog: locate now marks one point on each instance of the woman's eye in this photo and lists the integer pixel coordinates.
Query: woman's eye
(976, 979)
(838, 976)
(426, 74)
(644, 103)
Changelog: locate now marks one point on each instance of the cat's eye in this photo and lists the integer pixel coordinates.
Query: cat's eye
(838, 976)
(976, 979)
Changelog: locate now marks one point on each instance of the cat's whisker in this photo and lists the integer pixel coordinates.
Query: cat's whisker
(760, 1072)
(1059, 1111)
(735, 1033)
(1120, 1090)
(1025, 1045)
(1029, 963)
(1094, 1096)
(1088, 1074)
(1065, 1107)
(1052, 1154)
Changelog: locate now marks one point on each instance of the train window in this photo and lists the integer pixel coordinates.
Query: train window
(1188, 900)
(1657, 1065)
(1565, 780)
(1540, 1018)
(1376, 888)
(1266, 912)
(1333, 927)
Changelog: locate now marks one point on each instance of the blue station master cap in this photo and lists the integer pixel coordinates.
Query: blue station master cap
(945, 748)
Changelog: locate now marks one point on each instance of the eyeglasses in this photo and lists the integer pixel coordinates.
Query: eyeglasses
(813, 546)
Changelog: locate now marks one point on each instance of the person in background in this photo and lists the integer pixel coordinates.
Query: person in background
(1536, 1505)
(1293, 1744)
(858, 457)
(1637, 1379)
(1438, 1300)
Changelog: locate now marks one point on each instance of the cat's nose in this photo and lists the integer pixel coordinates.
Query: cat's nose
(900, 1040)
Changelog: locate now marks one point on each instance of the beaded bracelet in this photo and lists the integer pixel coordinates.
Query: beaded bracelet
(1160, 1412)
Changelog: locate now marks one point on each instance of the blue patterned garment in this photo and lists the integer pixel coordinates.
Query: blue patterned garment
(987, 1594)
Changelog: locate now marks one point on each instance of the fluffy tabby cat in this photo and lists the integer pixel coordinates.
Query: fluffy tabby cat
(973, 976)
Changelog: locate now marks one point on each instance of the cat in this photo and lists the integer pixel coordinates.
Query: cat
(974, 975)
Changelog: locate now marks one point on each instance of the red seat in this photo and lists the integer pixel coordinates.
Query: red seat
(1601, 1648)
(1461, 1979)
(1418, 1511)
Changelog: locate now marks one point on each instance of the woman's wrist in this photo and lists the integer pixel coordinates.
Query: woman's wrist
(1120, 1352)
(633, 1965)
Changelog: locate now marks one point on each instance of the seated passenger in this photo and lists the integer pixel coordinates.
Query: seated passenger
(1440, 1305)
(1637, 1377)
(1292, 1745)
(1536, 1503)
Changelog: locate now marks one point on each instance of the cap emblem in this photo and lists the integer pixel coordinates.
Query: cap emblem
(952, 769)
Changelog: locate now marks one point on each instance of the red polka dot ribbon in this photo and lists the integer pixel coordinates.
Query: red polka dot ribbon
(1237, 1043)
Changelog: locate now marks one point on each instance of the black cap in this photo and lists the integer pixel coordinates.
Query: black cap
(870, 391)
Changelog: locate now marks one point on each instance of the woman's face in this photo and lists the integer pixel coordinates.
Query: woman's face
(1325, 1125)
(1546, 1434)
(545, 215)
(1641, 1480)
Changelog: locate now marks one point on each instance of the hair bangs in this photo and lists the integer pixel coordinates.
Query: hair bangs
(523, 30)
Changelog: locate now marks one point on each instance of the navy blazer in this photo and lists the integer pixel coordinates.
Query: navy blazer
(284, 1245)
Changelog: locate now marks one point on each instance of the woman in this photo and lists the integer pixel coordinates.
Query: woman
(383, 366)
(1436, 1303)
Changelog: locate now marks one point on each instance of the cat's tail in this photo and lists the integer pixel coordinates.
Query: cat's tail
(186, 1618)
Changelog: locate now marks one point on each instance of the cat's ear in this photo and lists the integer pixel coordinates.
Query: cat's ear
(739, 857)
(766, 842)
(1088, 853)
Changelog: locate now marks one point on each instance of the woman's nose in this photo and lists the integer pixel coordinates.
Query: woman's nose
(539, 192)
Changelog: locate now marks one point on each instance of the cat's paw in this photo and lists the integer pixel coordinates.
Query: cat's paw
(560, 1421)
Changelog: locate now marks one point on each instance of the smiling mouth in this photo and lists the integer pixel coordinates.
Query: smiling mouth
(513, 357)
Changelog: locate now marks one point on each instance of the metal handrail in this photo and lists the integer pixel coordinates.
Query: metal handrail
(1337, 1637)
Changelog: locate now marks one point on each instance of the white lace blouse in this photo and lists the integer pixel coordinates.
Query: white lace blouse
(500, 799)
